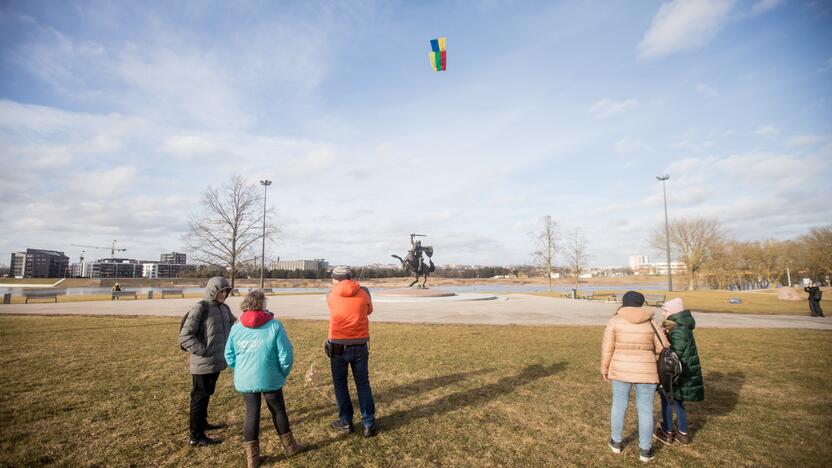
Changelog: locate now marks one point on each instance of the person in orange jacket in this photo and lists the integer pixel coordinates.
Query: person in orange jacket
(347, 346)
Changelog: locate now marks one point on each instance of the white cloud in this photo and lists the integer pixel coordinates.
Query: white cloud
(104, 183)
(685, 165)
(187, 146)
(808, 140)
(684, 25)
(605, 108)
(765, 5)
(767, 131)
(763, 167)
(707, 91)
(626, 145)
(314, 162)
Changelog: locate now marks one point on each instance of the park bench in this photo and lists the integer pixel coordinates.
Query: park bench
(118, 294)
(267, 290)
(173, 292)
(655, 299)
(43, 294)
(588, 295)
(234, 292)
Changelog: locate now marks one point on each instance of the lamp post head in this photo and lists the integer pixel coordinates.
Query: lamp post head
(265, 182)
(663, 177)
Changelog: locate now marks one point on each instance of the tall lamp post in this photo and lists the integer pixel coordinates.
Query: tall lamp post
(265, 184)
(664, 178)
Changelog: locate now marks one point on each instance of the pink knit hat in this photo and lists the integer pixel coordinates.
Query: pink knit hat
(673, 306)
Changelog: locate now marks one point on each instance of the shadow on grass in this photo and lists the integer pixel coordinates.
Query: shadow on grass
(386, 395)
(471, 397)
(722, 392)
(453, 401)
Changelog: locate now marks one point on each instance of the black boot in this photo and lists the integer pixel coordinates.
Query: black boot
(202, 441)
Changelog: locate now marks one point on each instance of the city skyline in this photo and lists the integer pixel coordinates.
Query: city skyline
(115, 118)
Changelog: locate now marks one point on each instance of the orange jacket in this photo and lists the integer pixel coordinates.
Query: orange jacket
(349, 306)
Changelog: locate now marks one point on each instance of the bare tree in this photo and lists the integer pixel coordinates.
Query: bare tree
(767, 260)
(576, 256)
(224, 232)
(816, 252)
(693, 241)
(546, 240)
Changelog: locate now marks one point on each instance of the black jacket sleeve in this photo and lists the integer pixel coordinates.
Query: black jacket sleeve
(189, 336)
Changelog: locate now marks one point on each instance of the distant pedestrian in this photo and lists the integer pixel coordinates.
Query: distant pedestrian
(628, 359)
(116, 288)
(815, 296)
(203, 334)
(679, 325)
(261, 355)
(347, 346)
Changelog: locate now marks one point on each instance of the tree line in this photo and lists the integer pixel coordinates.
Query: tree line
(715, 259)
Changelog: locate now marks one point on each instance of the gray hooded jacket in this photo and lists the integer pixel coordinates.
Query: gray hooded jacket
(205, 339)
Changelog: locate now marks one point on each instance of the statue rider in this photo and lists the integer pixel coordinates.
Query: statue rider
(416, 252)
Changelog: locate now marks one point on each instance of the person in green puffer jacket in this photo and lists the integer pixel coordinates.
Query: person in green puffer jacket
(679, 325)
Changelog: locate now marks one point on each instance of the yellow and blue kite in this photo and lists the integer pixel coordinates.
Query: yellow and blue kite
(438, 54)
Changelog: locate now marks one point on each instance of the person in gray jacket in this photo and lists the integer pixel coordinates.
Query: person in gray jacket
(203, 334)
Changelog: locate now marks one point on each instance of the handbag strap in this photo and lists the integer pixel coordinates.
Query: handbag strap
(657, 333)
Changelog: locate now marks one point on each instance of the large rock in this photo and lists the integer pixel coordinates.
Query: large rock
(790, 294)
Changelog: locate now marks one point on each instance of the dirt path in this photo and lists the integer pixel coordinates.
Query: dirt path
(518, 309)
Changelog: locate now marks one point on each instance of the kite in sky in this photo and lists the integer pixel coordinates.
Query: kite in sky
(438, 54)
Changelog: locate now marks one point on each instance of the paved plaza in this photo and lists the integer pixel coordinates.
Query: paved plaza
(519, 309)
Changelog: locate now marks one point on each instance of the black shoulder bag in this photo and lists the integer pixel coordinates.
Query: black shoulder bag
(669, 367)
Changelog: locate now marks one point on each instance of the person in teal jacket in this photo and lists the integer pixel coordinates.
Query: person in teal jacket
(260, 353)
(679, 325)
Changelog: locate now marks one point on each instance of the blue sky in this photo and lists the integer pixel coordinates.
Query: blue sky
(115, 117)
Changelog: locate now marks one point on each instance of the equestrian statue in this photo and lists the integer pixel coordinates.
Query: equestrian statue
(414, 263)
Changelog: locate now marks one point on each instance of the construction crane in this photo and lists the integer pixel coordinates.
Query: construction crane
(112, 249)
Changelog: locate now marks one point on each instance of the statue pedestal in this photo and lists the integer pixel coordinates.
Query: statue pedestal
(413, 292)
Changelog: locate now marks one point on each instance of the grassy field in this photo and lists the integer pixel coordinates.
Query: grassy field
(753, 302)
(114, 392)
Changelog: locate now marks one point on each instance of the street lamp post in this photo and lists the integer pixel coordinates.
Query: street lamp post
(265, 184)
(664, 178)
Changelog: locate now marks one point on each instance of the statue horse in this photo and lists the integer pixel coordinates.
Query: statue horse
(411, 264)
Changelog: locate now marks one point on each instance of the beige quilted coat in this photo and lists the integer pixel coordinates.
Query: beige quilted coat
(629, 350)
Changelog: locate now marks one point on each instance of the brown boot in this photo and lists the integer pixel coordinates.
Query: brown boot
(290, 445)
(252, 453)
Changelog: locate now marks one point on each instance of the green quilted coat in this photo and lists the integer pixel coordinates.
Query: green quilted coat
(690, 386)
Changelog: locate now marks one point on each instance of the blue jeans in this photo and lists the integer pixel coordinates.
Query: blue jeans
(644, 406)
(667, 415)
(355, 356)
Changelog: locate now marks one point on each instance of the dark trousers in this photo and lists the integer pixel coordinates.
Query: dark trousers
(814, 308)
(355, 356)
(276, 405)
(201, 391)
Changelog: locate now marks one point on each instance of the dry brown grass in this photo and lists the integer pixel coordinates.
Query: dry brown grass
(753, 302)
(113, 392)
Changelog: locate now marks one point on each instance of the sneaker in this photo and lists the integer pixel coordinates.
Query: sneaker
(646, 455)
(662, 435)
(370, 431)
(682, 438)
(614, 446)
(341, 426)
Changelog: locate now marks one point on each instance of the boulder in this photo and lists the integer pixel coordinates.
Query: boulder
(790, 294)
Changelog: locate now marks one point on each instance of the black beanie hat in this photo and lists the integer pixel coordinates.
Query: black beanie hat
(632, 299)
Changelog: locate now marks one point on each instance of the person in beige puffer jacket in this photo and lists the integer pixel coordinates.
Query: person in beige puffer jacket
(628, 359)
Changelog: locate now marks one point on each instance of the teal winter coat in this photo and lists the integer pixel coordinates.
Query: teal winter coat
(690, 386)
(261, 357)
